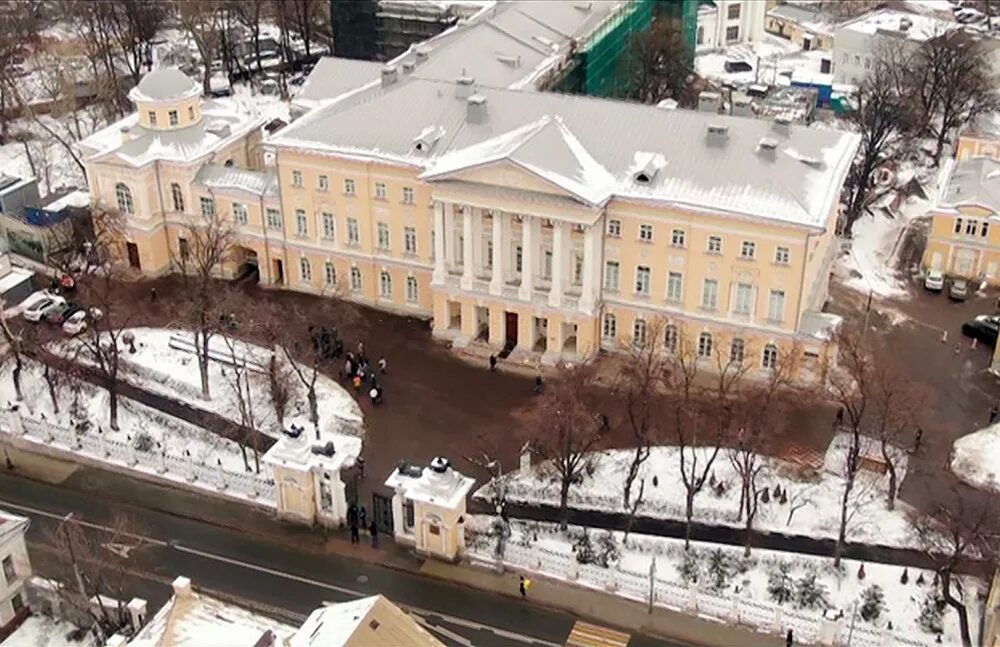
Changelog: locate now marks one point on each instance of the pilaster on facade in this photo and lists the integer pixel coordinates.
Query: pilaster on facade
(468, 247)
(501, 230)
(560, 235)
(592, 239)
(529, 244)
(440, 259)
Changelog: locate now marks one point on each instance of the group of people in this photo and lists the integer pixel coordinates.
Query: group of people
(358, 371)
(357, 520)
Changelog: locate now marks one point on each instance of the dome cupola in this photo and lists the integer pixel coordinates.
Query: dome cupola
(167, 99)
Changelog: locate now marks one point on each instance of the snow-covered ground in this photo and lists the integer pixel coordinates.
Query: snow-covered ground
(43, 631)
(771, 58)
(723, 572)
(812, 508)
(975, 458)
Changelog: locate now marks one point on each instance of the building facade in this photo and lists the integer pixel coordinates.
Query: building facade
(15, 569)
(723, 23)
(857, 42)
(806, 27)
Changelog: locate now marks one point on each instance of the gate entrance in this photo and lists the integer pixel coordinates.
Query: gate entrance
(382, 513)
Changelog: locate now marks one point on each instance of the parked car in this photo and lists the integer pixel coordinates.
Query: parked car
(983, 327)
(959, 290)
(934, 281)
(36, 311)
(58, 314)
(77, 322)
(30, 300)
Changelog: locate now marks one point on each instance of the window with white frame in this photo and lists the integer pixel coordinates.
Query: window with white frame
(380, 190)
(776, 306)
(191, 113)
(732, 34)
(407, 195)
(714, 245)
(639, 331)
(330, 273)
(611, 275)
(615, 228)
(172, 117)
(383, 235)
(675, 286)
(781, 255)
(958, 225)
(547, 265)
(460, 250)
(769, 359)
(970, 227)
(705, 344)
(353, 235)
(183, 249)
(710, 294)
(178, 197)
(577, 269)
(9, 573)
(152, 118)
(670, 338)
(743, 299)
(646, 233)
(273, 217)
(207, 207)
(355, 279)
(642, 280)
(410, 240)
(385, 283)
(736, 350)
(677, 237)
(349, 186)
(609, 327)
(984, 229)
(733, 11)
(748, 249)
(240, 216)
(489, 254)
(411, 289)
(323, 183)
(301, 223)
(329, 224)
(124, 197)
(296, 178)
(305, 270)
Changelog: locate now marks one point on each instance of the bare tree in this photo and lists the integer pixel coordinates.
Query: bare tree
(134, 24)
(280, 387)
(95, 24)
(897, 405)
(250, 13)
(563, 428)
(305, 16)
(14, 348)
(657, 64)
(203, 21)
(17, 31)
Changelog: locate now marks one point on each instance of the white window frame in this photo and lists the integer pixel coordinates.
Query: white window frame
(329, 225)
(642, 280)
(609, 326)
(639, 332)
(705, 344)
(612, 269)
(301, 223)
(152, 118)
(776, 314)
(297, 179)
(273, 218)
(349, 187)
(412, 289)
(240, 215)
(714, 245)
(408, 195)
(737, 350)
(675, 286)
(743, 299)
(615, 228)
(172, 118)
(305, 270)
(207, 206)
(177, 196)
(678, 237)
(353, 232)
(385, 284)
(355, 278)
(380, 191)
(330, 273)
(769, 357)
(748, 250)
(123, 196)
(713, 303)
(382, 228)
(323, 183)
(410, 240)
(646, 233)
(782, 255)
(670, 338)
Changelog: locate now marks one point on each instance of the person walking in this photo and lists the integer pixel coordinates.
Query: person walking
(382, 365)
(493, 362)
(523, 585)
(152, 295)
(373, 529)
(363, 517)
(538, 384)
(361, 467)
(917, 440)
(355, 536)
(993, 413)
(789, 639)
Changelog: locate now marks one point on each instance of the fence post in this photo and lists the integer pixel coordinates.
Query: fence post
(163, 460)
(16, 423)
(192, 470)
(222, 476)
(734, 612)
(692, 601)
(102, 442)
(779, 619)
(132, 458)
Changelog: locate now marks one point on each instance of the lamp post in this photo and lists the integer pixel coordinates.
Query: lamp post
(498, 485)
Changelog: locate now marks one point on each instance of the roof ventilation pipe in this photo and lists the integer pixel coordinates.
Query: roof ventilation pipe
(390, 74)
(716, 135)
(465, 87)
(475, 112)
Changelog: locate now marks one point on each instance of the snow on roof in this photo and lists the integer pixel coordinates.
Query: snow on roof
(574, 140)
(806, 17)
(973, 181)
(442, 486)
(260, 183)
(164, 84)
(77, 198)
(333, 76)
(333, 625)
(921, 26)
(43, 631)
(820, 325)
(11, 523)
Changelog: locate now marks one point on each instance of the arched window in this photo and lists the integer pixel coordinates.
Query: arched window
(124, 197)
(705, 344)
(178, 197)
(305, 270)
(670, 338)
(736, 351)
(639, 332)
(385, 281)
(770, 356)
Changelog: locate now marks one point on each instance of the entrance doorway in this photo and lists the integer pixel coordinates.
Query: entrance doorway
(482, 323)
(279, 272)
(133, 255)
(382, 513)
(510, 333)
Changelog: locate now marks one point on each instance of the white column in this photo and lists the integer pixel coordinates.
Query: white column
(468, 249)
(449, 236)
(439, 236)
(477, 241)
(559, 240)
(591, 267)
(500, 245)
(529, 244)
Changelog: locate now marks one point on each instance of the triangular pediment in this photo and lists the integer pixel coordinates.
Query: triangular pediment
(507, 174)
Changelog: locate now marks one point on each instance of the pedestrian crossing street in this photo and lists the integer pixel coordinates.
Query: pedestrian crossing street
(585, 634)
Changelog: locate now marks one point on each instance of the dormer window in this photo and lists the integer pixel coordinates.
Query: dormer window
(152, 118)
(429, 136)
(643, 178)
(647, 165)
(172, 117)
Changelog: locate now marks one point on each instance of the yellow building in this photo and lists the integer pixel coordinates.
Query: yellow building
(980, 138)
(964, 238)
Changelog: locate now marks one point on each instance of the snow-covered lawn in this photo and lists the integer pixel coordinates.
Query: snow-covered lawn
(43, 631)
(723, 572)
(975, 458)
(812, 507)
(773, 55)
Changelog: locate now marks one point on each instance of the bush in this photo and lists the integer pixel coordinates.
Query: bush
(872, 603)
(607, 552)
(720, 570)
(143, 442)
(584, 549)
(810, 593)
(931, 612)
(779, 584)
(690, 568)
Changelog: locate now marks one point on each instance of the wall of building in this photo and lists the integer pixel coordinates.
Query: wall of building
(156, 115)
(966, 253)
(796, 33)
(970, 146)
(12, 589)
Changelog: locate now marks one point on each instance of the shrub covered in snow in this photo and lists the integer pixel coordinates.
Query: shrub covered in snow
(690, 568)
(779, 583)
(872, 603)
(931, 612)
(810, 593)
(721, 568)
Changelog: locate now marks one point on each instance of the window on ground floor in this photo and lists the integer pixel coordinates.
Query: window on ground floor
(330, 273)
(639, 332)
(670, 338)
(736, 349)
(385, 283)
(355, 279)
(609, 327)
(411, 289)
(305, 270)
(770, 357)
(705, 344)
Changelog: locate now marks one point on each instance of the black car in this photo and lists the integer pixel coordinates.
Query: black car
(60, 315)
(984, 328)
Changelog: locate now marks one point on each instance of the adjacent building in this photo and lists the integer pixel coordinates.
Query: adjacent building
(857, 42)
(15, 569)
(980, 138)
(722, 23)
(804, 25)
(402, 23)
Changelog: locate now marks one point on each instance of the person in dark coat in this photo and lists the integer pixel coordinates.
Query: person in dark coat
(538, 384)
(493, 362)
(355, 536)
(789, 639)
(373, 529)
(363, 517)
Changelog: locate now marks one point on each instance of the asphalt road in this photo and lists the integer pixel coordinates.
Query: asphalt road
(275, 579)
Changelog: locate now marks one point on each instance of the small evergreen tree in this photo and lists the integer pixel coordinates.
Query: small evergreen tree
(905, 577)
(720, 570)
(607, 553)
(690, 568)
(931, 611)
(810, 593)
(584, 549)
(872, 603)
(779, 584)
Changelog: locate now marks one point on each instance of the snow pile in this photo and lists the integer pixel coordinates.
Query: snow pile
(811, 498)
(43, 631)
(975, 458)
(727, 582)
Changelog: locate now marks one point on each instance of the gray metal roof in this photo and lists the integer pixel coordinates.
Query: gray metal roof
(259, 183)
(164, 83)
(593, 148)
(975, 181)
(332, 77)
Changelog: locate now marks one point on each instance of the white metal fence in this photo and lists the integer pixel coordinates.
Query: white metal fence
(809, 627)
(96, 445)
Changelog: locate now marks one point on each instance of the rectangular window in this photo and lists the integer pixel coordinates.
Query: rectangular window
(240, 214)
(748, 249)
(776, 306)
(733, 12)
(329, 225)
(349, 186)
(675, 283)
(670, 338)
(385, 284)
(191, 113)
(611, 269)
(296, 178)
(489, 254)
(172, 117)
(355, 279)
(984, 229)
(714, 245)
(380, 190)
(970, 227)
(17, 603)
(577, 269)
(646, 233)
(353, 236)
(9, 575)
(615, 228)
(609, 327)
(411, 289)
(330, 273)
(383, 236)
(207, 207)
(743, 300)
(407, 195)
(273, 219)
(642, 280)
(518, 259)
(410, 240)
(152, 118)
(737, 350)
(301, 225)
(677, 238)
(732, 33)
(305, 270)
(781, 255)
(639, 332)
(958, 225)
(710, 294)
(323, 183)
(547, 265)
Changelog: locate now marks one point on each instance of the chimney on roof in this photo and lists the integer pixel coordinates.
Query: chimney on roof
(741, 106)
(408, 67)
(475, 110)
(465, 87)
(182, 587)
(767, 148)
(782, 124)
(716, 134)
(389, 75)
(905, 24)
(421, 53)
(126, 133)
(709, 101)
